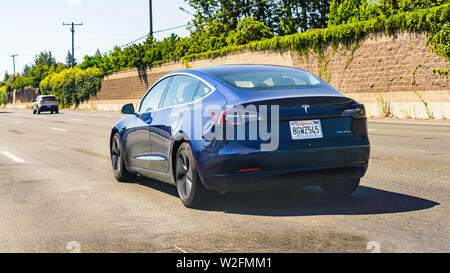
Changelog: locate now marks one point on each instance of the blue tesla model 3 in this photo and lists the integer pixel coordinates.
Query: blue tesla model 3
(240, 128)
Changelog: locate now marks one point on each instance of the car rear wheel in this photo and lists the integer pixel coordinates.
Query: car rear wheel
(34, 111)
(346, 187)
(117, 160)
(190, 188)
(38, 111)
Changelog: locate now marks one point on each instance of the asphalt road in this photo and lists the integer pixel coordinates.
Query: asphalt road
(57, 187)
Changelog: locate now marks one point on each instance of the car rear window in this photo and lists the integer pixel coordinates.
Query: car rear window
(49, 99)
(267, 79)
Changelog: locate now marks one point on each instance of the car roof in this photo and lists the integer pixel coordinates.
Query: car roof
(244, 67)
(238, 96)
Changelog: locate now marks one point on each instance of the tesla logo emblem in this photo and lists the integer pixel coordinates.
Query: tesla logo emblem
(305, 106)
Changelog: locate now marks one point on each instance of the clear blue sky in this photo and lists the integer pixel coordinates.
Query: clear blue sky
(30, 26)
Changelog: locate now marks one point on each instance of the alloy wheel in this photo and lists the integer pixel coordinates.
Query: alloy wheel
(115, 155)
(184, 175)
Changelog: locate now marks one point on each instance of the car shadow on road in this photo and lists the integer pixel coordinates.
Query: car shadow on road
(50, 114)
(305, 201)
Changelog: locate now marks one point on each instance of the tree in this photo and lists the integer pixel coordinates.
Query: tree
(69, 60)
(281, 16)
(27, 69)
(97, 53)
(6, 77)
(247, 30)
(44, 63)
(341, 12)
(45, 58)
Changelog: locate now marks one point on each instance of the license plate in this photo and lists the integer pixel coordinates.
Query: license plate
(306, 129)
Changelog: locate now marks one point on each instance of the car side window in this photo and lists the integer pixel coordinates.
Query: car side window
(202, 90)
(181, 90)
(153, 98)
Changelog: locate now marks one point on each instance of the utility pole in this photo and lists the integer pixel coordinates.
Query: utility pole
(14, 62)
(72, 29)
(151, 17)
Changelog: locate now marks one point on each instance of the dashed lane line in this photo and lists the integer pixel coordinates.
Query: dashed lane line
(13, 157)
(59, 129)
(180, 249)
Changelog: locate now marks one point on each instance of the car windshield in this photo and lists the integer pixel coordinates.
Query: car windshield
(268, 79)
(49, 99)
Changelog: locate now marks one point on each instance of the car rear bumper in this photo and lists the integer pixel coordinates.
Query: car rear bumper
(286, 168)
(283, 179)
(43, 108)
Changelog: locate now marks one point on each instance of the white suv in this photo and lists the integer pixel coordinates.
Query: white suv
(45, 104)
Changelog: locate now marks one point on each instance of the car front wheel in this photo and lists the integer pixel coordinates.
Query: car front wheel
(118, 163)
(343, 188)
(190, 188)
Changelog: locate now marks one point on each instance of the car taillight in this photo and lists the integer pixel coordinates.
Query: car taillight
(356, 111)
(237, 117)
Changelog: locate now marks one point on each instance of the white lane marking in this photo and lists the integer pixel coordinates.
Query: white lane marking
(372, 130)
(419, 150)
(409, 123)
(180, 249)
(13, 157)
(108, 116)
(76, 119)
(17, 122)
(59, 129)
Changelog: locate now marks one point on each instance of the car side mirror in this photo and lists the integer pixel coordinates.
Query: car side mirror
(128, 109)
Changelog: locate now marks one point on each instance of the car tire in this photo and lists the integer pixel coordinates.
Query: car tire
(57, 111)
(38, 111)
(34, 111)
(118, 163)
(189, 186)
(343, 188)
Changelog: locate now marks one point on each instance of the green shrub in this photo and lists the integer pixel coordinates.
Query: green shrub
(21, 82)
(72, 86)
(3, 96)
